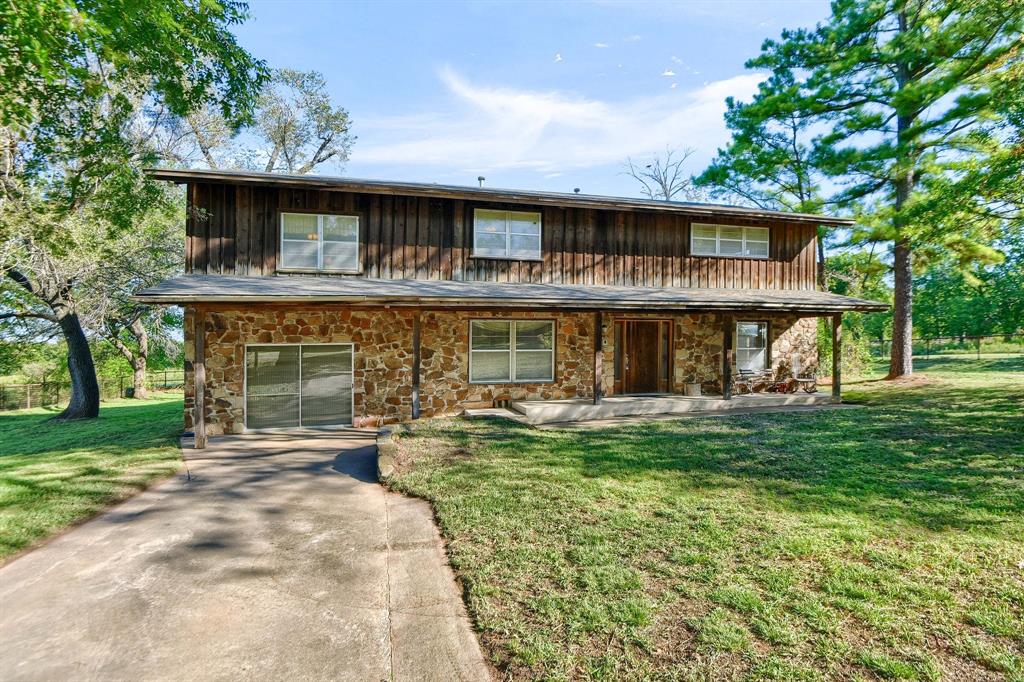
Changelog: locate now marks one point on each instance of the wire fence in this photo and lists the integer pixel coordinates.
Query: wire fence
(48, 393)
(963, 346)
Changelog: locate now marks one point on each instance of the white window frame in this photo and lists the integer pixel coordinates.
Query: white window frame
(767, 345)
(508, 235)
(245, 387)
(511, 351)
(718, 241)
(319, 243)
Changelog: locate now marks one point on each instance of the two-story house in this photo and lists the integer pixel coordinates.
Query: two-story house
(317, 301)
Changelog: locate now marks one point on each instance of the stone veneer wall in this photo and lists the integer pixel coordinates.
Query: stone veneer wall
(444, 363)
(383, 356)
(697, 345)
(382, 368)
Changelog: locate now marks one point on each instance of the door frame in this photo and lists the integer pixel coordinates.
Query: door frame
(245, 388)
(620, 340)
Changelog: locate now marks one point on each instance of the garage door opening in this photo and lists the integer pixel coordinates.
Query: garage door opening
(288, 386)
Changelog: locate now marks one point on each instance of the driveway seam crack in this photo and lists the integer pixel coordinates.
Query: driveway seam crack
(387, 568)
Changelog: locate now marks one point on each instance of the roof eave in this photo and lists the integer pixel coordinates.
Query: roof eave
(498, 195)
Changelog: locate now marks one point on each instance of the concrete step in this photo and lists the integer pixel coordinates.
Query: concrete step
(584, 409)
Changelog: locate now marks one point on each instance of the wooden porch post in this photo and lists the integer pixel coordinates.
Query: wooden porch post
(416, 365)
(598, 358)
(727, 352)
(199, 379)
(837, 356)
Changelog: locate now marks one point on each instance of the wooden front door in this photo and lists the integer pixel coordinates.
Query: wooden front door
(642, 356)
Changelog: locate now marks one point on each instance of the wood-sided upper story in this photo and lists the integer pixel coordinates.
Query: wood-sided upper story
(260, 225)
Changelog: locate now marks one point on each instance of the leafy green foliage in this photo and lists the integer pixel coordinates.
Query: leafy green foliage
(980, 301)
(56, 56)
(915, 111)
(768, 160)
(84, 86)
(296, 129)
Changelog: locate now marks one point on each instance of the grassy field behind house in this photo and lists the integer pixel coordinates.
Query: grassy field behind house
(879, 542)
(52, 475)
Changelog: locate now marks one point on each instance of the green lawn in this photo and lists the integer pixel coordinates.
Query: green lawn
(879, 542)
(54, 474)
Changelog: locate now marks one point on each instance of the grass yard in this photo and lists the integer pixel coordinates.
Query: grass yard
(52, 475)
(880, 542)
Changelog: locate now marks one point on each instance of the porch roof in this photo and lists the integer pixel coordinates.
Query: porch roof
(191, 289)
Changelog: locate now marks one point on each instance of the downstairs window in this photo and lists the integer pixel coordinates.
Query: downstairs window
(511, 351)
(751, 346)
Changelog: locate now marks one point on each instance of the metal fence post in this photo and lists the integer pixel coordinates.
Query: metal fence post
(978, 345)
(28, 396)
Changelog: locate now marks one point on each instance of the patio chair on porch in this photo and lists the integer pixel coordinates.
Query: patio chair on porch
(802, 378)
(741, 383)
(749, 382)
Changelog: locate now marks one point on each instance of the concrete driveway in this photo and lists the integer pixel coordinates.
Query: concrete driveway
(281, 558)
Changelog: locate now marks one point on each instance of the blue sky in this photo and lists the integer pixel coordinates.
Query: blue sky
(536, 95)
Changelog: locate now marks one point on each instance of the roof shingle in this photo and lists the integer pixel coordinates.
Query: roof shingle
(370, 291)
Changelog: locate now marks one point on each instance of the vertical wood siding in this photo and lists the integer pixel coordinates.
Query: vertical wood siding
(234, 230)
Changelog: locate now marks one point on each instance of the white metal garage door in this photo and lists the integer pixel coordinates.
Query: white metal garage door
(298, 385)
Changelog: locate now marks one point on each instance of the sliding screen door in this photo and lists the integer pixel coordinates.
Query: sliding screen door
(290, 386)
(326, 387)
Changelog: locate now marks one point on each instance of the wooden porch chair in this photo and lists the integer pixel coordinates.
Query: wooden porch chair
(807, 380)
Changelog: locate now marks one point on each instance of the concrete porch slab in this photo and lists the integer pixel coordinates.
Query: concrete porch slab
(583, 409)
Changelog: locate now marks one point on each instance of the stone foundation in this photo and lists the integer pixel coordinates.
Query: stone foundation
(383, 363)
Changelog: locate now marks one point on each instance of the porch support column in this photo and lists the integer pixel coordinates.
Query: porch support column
(598, 358)
(199, 378)
(727, 351)
(837, 356)
(416, 364)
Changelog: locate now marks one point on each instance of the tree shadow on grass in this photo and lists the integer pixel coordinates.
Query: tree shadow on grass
(948, 458)
(118, 429)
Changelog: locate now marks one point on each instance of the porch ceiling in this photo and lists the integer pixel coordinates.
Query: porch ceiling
(191, 289)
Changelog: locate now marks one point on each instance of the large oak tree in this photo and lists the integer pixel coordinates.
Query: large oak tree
(83, 85)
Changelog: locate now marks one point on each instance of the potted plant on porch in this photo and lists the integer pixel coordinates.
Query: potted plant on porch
(691, 385)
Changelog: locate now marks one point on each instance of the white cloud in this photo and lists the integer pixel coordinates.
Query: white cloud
(675, 60)
(558, 56)
(632, 39)
(668, 72)
(601, 45)
(499, 127)
(673, 86)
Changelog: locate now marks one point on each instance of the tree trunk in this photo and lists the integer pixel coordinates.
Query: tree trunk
(85, 390)
(141, 357)
(901, 362)
(139, 379)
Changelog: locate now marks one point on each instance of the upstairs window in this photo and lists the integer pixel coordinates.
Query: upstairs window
(727, 240)
(310, 241)
(513, 235)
